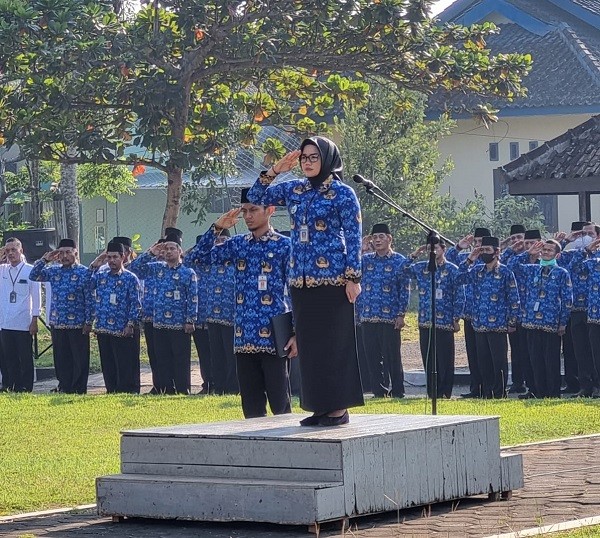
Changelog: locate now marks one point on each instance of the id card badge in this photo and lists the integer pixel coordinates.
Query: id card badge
(113, 298)
(536, 306)
(439, 294)
(13, 297)
(303, 233)
(176, 295)
(262, 282)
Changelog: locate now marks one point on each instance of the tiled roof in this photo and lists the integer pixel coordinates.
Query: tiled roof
(570, 156)
(566, 60)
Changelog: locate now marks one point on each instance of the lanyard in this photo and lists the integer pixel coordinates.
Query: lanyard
(14, 280)
(308, 206)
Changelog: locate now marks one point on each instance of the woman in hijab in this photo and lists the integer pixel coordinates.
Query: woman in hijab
(324, 275)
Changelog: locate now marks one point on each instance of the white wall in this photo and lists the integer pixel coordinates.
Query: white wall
(468, 146)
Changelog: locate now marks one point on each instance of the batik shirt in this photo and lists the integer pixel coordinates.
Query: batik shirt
(175, 293)
(571, 260)
(455, 256)
(513, 262)
(117, 301)
(325, 226)
(496, 303)
(548, 295)
(148, 299)
(202, 271)
(221, 294)
(450, 294)
(72, 301)
(385, 288)
(260, 267)
(587, 266)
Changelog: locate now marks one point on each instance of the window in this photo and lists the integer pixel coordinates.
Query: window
(533, 144)
(99, 238)
(493, 151)
(514, 151)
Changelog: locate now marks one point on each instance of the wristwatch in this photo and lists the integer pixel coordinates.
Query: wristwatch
(355, 279)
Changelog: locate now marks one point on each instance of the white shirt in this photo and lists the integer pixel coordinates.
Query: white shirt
(17, 316)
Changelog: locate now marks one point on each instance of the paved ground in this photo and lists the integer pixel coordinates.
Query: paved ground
(411, 361)
(562, 483)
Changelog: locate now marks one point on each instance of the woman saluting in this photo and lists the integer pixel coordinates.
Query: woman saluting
(324, 275)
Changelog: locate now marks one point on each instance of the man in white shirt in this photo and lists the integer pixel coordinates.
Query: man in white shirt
(19, 311)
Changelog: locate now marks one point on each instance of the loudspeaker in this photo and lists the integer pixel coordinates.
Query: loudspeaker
(36, 241)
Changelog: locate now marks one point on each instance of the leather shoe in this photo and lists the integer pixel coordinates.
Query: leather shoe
(569, 390)
(517, 389)
(334, 421)
(470, 395)
(596, 393)
(527, 396)
(313, 420)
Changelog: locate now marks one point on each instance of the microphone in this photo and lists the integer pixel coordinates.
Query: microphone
(357, 178)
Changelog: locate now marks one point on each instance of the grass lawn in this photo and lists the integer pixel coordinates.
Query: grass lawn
(53, 446)
(584, 532)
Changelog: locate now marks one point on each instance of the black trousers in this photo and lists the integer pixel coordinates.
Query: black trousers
(445, 355)
(492, 355)
(223, 361)
(544, 351)
(149, 335)
(120, 361)
(205, 360)
(2, 365)
(570, 361)
(588, 378)
(71, 359)
(173, 348)
(594, 332)
(472, 359)
(382, 346)
(520, 363)
(363, 361)
(263, 377)
(17, 370)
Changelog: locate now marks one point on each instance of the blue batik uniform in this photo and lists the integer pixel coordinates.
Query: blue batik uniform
(148, 299)
(203, 274)
(457, 257)
(385, 288)
(117, 302)
(496, 297)
(548, 295)
(221, 294)
(71, 305)
(450, 295)
(330, 253)
(266, 257)
(175, 292)
(571, 260)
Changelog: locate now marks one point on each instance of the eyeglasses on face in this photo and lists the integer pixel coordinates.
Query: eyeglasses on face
(313, 158)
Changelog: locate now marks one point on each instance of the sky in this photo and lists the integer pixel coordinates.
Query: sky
(440, 5)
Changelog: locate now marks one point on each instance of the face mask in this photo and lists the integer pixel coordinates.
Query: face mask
(581, 242)
(486, 257)
(546, 263)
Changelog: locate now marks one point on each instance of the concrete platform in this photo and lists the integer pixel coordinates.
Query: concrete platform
(272, 470)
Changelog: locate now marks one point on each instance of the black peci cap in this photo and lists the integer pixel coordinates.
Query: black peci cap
(517, 229)
(381, 228)
(533, 234)
(490, 241)
(482, 232)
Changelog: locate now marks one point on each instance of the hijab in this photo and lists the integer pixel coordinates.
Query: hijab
(331, 161)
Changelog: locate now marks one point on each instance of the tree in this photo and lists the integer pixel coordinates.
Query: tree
(182, 76)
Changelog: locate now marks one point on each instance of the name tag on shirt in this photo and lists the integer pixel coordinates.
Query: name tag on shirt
(303, 233)
(262, 282)
(439, 294)
(176, 295)
(113, 298)
(536, 306)
(13, 297)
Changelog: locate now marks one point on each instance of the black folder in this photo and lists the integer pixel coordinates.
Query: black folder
(283, 330)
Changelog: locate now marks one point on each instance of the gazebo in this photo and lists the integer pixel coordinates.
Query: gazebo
(568, 164)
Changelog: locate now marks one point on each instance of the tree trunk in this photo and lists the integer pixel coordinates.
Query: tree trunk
(34, 185)
(174, 187)
(68, 188)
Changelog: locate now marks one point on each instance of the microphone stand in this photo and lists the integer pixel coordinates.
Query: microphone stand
(433, 238)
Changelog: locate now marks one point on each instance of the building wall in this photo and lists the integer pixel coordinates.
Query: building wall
(469, 148)
(142, 214)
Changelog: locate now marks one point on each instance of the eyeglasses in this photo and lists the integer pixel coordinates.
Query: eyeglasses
(313, 158)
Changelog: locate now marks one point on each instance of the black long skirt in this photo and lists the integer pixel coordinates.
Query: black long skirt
(326, 338)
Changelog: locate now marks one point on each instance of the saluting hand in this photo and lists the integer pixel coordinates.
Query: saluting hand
(419, 251)
(535, 249)
(474, 254)
(287, 162)
(99, 261)
(50, 256)
(560, 236)
(593, 246)
(465, 242)
(229, 219)
(155, 249)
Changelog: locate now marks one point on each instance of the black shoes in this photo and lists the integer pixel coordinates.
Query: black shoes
(311, 421)
(517, 389)
(527, 396)
(569, 390)
(583, 394)
(327, 421)
(470, 395)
